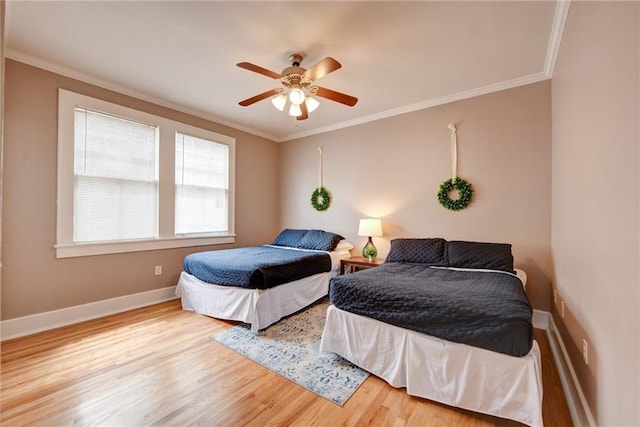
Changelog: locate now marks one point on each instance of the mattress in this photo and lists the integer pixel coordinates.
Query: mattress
(485, 309)
(256, 267)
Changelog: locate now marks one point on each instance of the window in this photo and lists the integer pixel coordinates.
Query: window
(115, 194)
(202, 185)
(133, 181)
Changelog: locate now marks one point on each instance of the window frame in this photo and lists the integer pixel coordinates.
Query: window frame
(166, 237)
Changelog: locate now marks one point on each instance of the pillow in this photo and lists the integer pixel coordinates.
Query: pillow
(420, 251)
(319, 240)
(289, 237)
(492, 256)
(344, 245)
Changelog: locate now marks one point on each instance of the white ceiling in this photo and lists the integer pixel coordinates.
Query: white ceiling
(396, 56)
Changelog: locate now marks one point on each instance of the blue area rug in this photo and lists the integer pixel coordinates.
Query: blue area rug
(291, 348)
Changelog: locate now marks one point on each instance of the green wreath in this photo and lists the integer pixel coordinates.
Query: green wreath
(320, 199)
(465, 193)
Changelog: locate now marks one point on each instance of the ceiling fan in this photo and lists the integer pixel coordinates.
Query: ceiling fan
(297, 86)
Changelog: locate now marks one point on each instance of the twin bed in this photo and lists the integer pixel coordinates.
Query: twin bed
(262, 284)
(450, 321)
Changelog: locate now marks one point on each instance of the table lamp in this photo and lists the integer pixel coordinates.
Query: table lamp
(370, 228)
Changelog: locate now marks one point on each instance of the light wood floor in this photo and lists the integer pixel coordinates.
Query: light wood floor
(158, 366)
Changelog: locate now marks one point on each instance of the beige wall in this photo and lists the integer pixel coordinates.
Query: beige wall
(33, 280)
(392, 169)
(596, 203)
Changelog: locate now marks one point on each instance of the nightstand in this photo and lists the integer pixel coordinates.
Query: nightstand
(358, 263)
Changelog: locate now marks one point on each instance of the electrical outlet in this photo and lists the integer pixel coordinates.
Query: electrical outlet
(555, 296)
(562, 309)
(158, 270)
(585, 351)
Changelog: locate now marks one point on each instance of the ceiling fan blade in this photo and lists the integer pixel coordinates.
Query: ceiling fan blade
(322, 68)
(305, 113)
(259, 97)
(336, 96)
(257, 69)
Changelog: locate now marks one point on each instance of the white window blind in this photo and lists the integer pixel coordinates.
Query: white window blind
(115, 178)
(202, 186)
(121, 189)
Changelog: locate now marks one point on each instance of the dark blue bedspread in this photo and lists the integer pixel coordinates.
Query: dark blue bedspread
(483, 309)
(256, 267)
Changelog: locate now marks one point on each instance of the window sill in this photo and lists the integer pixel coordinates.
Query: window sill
(103, 248)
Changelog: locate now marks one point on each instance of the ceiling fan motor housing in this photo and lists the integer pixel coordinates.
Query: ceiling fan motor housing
(293, 77)
(295, 59)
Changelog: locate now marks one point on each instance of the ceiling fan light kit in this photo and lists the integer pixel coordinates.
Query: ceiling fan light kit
(296, 87)
(296, 96)
(279, 101)
(295, 110)
(312, 104)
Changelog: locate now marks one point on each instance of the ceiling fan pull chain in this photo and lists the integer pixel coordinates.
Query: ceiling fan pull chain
(454, 152)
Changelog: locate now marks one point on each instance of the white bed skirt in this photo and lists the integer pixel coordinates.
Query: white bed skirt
(258, 307)
(454, 374)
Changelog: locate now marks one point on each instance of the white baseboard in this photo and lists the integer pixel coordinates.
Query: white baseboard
(578, 408)
(21, 326)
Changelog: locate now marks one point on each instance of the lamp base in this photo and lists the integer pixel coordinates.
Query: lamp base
(369, 251)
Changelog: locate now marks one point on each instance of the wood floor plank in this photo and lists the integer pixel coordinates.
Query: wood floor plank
(158, 365)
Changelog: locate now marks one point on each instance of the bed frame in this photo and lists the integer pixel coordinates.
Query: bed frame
(454, 374)
(257, 307)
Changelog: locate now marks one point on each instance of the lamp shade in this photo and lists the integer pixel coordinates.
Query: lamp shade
(312, 104)
(279, 101)
(370, 227)
(295, 110)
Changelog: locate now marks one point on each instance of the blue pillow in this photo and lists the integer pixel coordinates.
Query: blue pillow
(492, 256)
(419, 251)
(319, 240)
(289, 237)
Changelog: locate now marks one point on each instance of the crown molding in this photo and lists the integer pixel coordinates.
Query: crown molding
(559, 21)
(86, 78)
(509, 84)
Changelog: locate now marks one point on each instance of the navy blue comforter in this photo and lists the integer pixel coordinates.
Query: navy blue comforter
(483, 309)
(256, 267)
